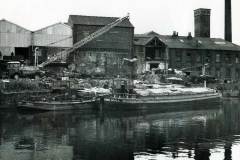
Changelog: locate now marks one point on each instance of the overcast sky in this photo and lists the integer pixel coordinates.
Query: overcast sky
(162, 16)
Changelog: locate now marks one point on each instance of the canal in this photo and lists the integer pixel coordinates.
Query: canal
(209, 133)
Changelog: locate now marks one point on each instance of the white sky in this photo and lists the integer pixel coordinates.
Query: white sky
(162, 16)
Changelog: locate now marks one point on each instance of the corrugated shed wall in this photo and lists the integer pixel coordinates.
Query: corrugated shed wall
(12, 35)
(6, 51)
(57, 35)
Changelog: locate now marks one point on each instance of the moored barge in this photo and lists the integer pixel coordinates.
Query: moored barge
(56, 105)
(175, 97)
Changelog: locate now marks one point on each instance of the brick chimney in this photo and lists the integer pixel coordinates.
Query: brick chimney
(228, 21)
(202, 22)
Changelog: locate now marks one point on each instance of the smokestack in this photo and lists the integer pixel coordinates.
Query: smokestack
(228, 20)
(202, 22)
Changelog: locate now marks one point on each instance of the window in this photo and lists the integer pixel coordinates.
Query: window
(237, 74)
(228, 72)
(157, 53)
(218, 73)
(218, 58)
(237, 59)
(198, 58)
(208, 58)
(227, 58)
(140, 49)
(208, 70)
(188, 57)
(178, 57)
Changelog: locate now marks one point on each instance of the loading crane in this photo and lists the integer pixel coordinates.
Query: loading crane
(94, 35)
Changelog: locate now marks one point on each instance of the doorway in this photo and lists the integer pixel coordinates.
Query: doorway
(21, 53)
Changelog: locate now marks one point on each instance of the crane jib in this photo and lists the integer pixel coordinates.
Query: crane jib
(84, 41)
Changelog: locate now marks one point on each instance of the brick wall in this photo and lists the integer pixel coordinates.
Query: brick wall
(117, 38)
(102, 63)
(104, 55)
(227, 66)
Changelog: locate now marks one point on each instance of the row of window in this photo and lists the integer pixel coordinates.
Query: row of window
(227, 58)
(228, 73)
(217, 72)
(208, 58)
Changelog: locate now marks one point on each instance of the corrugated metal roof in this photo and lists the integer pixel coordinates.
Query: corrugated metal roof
(9, 22)
(55, 24)
(185, 42)
(94, 20)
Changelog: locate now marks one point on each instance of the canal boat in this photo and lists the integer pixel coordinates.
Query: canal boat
(162, 97)
(56, 105)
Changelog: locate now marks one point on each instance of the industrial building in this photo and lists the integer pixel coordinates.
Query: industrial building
(103, 55)
(18, 43)
(52, 39)
(14, 40)
(189, 53)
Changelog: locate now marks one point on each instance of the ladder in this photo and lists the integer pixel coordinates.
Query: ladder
(64, 54)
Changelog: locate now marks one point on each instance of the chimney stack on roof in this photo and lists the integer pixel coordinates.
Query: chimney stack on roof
(189, 35)
(175, 34)
(202, 22)
(228, 21)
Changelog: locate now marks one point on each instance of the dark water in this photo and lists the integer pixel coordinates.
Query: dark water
(199, 134)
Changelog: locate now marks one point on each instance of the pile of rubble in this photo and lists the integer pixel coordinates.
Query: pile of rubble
(22, 85)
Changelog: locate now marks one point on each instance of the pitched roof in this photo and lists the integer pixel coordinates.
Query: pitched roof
(59, 23)
(185, 42)
(7, 21)
(142, 40)
(94, 20)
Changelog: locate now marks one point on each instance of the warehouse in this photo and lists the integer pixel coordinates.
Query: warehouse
(179, 52)
(52, 39)
(189, 53)
(18, 43)
(104, 55)
(15, 41)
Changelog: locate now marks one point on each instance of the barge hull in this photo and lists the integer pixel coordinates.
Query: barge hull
(44, 106)
(161, 103)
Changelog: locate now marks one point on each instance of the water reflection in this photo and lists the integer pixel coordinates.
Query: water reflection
(191, 134)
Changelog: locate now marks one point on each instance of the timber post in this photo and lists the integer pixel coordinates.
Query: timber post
(101, 103)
